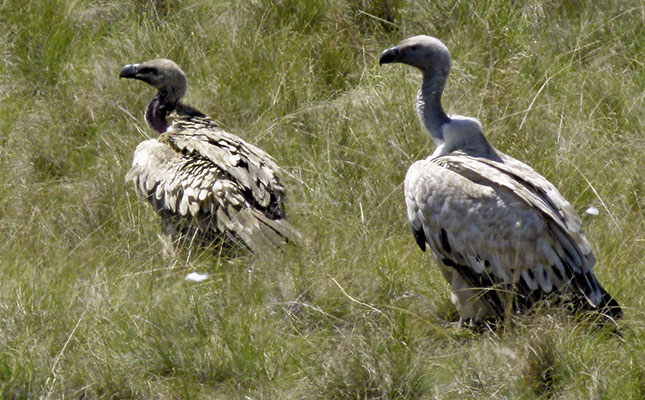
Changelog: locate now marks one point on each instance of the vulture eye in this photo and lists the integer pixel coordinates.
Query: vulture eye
(148, 70)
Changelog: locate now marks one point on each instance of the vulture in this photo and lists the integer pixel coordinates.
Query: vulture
(503, 236)
(209, 186)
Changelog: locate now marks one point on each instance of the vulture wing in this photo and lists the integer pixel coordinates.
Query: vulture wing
(499, 226)
(210, 184)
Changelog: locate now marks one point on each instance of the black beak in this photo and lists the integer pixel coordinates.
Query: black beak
(129, 71)
(389, 56)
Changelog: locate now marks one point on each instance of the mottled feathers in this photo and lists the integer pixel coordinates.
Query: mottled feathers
(497, 226)
(211, 187)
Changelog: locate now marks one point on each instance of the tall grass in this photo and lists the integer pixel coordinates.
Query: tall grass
(89, 308)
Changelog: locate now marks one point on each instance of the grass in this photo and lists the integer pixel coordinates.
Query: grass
(90, 308)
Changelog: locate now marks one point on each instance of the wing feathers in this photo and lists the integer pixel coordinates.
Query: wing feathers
(217, 183)
(500, 224)
(419, 237)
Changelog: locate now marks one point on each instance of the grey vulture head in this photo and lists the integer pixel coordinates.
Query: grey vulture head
(162, 74)
(424, 52)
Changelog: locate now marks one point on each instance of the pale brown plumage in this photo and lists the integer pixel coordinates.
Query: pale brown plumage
(209, 186)
(503, 236)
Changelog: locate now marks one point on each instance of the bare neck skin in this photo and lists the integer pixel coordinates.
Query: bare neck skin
(157, 111)
(429, 107)
(456, 134)
(161, 106)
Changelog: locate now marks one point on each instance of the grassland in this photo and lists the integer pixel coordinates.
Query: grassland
(90, 309)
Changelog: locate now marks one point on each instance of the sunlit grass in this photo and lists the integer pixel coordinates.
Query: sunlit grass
(90, 308)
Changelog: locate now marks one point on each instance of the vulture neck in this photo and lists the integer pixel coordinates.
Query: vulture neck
(165, 102)
(161, 106)
(450, 134)
(157, 111)
(429, 106)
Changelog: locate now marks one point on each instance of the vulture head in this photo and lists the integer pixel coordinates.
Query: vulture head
(163, 74)
(432, 58)
(424, 52)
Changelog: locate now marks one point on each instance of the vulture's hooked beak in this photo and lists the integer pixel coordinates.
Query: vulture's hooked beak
(130, 71)
(389, 56)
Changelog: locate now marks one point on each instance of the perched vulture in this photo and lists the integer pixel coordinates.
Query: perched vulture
(503, 236)
(210, 187)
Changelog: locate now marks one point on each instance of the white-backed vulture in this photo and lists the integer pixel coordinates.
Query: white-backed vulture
(209, 186)
(503, 236)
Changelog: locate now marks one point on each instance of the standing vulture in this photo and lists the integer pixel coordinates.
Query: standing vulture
(503, 236)
(209, 187)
